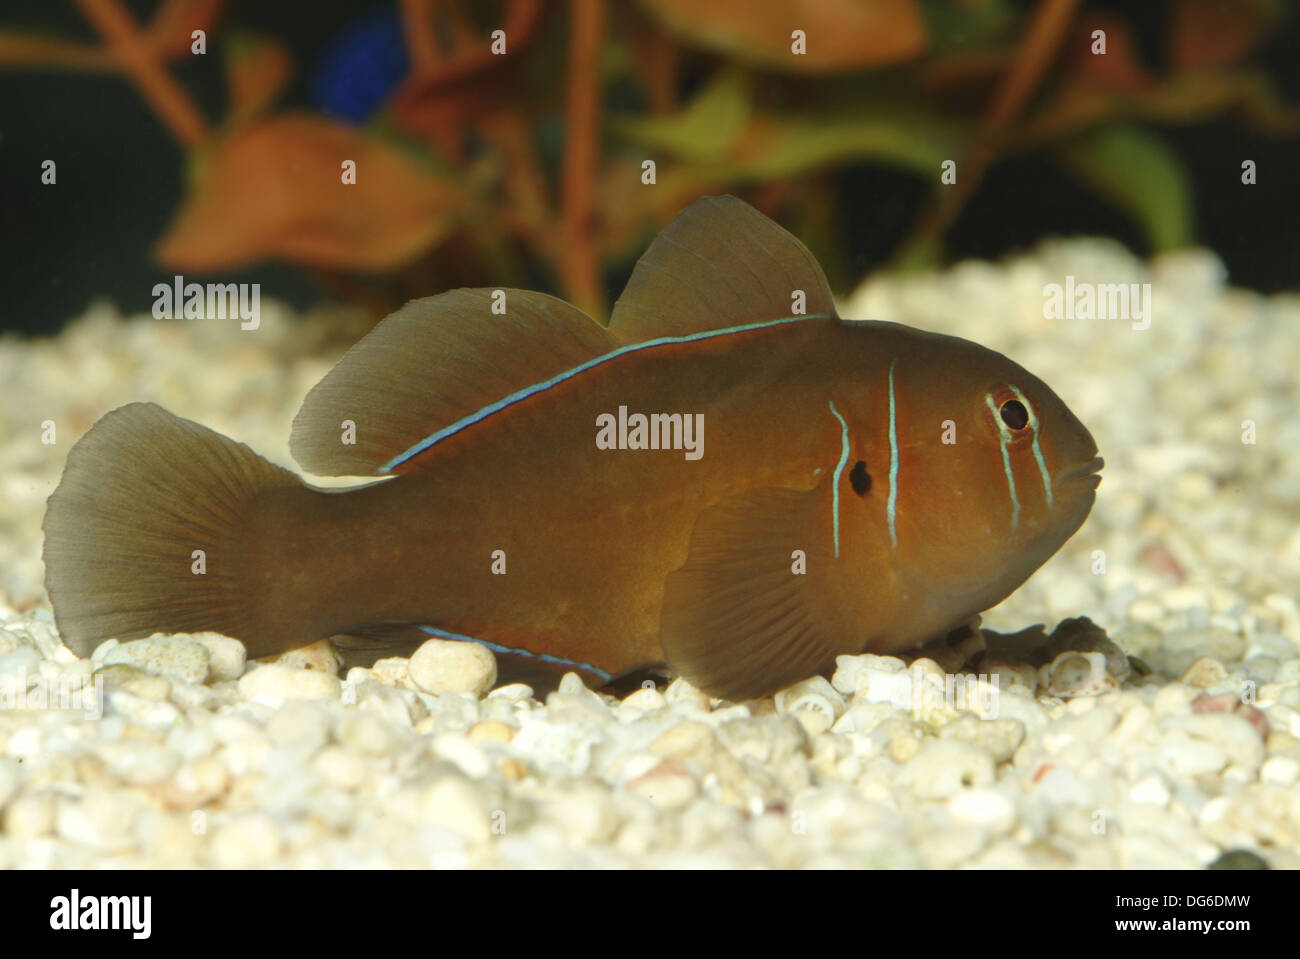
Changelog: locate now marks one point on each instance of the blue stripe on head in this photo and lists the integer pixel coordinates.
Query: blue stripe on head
(1004, 437)
(1038, 450)
(839, 470)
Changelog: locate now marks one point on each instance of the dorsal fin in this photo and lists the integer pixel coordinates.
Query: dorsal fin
(432, 363)
(719, 264)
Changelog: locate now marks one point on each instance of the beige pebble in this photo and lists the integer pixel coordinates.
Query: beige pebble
(583, 813)
(340, 768)
(248, 840)
(1150, 790)
(1182, 757)
(101, 819)
(174, 656)
(491, 731)
(846, 680)
(646, 698)
(147, 686)
(1009, 674)
(942, 767)
(668, 785)
(8, 780)
(278, 682)
(1000, 737)
(988, 808)
(681, 694)
(453, 666)
(138, 709)
(30, 816)
(1280, 770)
(226, 656)
(512, 693)
(393, 671)
(814, 702)
(1204, 673)
(1231, 733)
(453, 803)
(364, 732)
(301, 723)
(196, 783)
(169, 838)
(686, 741)
(1173, 699)
(319, 656)
(514, 770)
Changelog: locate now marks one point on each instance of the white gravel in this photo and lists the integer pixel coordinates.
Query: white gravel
(1063, 755)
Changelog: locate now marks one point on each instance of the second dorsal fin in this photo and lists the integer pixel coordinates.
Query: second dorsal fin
(719, 264)
(432, 363)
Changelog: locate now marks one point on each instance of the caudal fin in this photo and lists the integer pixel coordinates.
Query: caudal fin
(141, 493)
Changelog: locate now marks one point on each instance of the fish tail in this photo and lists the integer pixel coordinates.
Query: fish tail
(148, 531)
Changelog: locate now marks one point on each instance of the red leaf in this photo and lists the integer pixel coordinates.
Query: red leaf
(274, 189)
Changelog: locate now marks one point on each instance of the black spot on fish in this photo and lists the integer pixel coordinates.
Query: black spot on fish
(860, 478)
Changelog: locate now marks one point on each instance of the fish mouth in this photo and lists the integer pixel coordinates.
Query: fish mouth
(1085, 475)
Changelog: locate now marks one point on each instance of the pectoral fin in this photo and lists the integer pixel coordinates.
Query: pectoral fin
(761, 601)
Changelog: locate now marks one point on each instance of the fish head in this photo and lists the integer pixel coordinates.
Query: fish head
(994, 473)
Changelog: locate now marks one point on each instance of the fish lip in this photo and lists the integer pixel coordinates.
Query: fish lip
(1085, 475)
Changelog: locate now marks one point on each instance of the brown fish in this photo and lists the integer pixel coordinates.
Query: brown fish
(729, 479)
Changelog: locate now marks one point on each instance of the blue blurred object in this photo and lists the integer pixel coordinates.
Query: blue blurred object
(361, 66)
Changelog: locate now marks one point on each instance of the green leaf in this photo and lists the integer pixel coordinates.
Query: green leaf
(703, 130)
(836, 34)
(784, 145)
(1141, 175)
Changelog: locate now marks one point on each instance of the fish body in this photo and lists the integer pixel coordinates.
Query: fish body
(820, 486)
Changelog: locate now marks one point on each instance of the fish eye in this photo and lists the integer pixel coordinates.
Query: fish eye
(1014, 414)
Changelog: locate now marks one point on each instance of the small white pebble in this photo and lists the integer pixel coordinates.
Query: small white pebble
(226, 657)
(249, 840)
(174, 656)
(1150, 790)
(275, 682)
(454, 666)
(988, 808)
(1280, 771)
(942, 767)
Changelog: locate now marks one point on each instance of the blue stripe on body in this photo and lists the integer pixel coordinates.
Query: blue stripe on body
(508, 650)
(519, 395)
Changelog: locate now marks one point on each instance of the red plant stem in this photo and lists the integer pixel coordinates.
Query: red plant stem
(580, 262)
(421, 37)
(174, 22)
(1037, 48)
(660, 55)
(138, 59)
(1042, 38)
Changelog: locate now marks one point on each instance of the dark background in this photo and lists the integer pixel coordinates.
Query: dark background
(120, 175)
